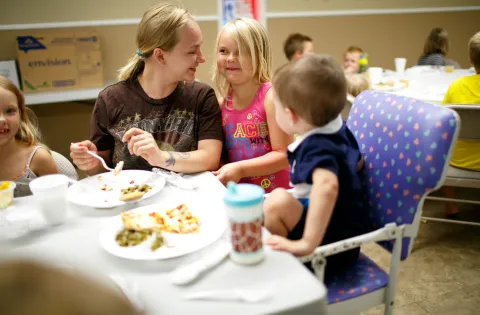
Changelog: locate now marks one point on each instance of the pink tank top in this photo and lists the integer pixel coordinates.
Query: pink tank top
(247, 137)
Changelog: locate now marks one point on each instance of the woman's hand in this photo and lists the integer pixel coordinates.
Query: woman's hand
(142, 143)
(229, 172)
(80, 157)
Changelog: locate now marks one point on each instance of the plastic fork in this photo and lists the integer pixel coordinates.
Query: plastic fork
(239, 295)
(101, 160)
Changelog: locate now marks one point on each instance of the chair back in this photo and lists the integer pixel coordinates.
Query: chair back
(64, 166)
(406, 145)
(470, 117)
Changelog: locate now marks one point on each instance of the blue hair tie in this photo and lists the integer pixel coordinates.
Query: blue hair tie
(138, 53)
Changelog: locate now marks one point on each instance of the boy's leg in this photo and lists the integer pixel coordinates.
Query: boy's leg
(451, 209)
(282, 212)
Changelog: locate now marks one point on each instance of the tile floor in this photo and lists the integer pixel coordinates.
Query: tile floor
(442, 276)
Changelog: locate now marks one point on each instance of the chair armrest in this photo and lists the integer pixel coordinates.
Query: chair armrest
(388, 232)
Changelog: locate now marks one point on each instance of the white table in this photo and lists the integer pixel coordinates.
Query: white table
(430, 85)
(75, 243)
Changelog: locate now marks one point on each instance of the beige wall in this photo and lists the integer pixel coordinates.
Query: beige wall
(382, 36)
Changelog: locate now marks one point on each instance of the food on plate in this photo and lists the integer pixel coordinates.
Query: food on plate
(134, 192)
(106, 188)
(131, 195)
(118, 168)
(99, 177)
(141, 188)
(127, 238)
(158, 241)
(176, 220)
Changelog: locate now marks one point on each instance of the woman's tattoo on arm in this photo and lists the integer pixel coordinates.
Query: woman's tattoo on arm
(172, 160)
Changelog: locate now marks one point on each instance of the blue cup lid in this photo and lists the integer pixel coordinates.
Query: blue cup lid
(243, 195)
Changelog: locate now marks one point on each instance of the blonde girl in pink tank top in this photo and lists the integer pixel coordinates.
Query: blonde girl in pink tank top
(255, 144)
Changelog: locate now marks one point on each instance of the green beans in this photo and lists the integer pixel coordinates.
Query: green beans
(128, 238)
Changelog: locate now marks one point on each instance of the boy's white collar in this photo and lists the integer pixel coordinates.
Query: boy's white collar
(332, 127)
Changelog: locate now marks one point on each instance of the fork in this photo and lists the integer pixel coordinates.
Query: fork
(101, 160)
(242, 295)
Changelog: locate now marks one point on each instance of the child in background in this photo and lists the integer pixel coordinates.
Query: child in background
(296, 45)
(255, 143)
(465, 90)
(351, 58)
(327, 203)
(356, 84)
(22, 156)
(30, 288)
(435, 50)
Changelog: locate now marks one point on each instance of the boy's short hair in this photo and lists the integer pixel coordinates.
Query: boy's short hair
(314, 86)
(474, 47)
(293, 43)
(353, 49)
(29, 287)
(356, 84)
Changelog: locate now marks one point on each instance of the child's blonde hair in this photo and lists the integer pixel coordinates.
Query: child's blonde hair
(252, 40)
(28, 131)
(436, 42)
(313, 86)
(158, 28)
(28, 288)
(474, 47)
(356, 84)
(353, 49)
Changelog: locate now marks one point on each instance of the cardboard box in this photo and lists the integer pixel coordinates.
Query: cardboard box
(58, 61)
(8, 69)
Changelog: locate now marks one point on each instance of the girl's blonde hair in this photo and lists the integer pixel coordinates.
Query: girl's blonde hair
(158, 29)
(252, 40)
(356, 84)
(436, 42)
(28, 131)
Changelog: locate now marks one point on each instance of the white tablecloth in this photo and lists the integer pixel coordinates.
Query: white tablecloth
(75, 243)
(430, 85)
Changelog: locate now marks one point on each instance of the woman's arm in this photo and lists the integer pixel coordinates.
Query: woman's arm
(206, 158)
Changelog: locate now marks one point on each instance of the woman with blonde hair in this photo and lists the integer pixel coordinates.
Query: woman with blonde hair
(22, 155)
(157, 115)
(435, 49)
(255, 143)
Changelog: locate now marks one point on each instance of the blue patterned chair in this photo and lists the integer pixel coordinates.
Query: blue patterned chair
(406, 145)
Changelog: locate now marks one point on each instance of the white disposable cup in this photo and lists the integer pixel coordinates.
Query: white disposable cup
(375, 74)
(400, 64)
(51, 193)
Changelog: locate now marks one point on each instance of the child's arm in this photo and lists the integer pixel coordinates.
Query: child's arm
(322, 201)
(43, 163)
(269, 163)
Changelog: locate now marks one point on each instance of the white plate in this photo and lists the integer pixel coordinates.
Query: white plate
(389, 88)
(87, 192)
(212, 224)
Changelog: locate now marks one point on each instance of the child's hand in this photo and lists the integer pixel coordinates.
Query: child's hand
(297, 248)
(80, 157)
(229, 172)
(142, 143)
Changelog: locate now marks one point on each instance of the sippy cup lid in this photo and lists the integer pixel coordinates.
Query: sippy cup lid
(243, 195)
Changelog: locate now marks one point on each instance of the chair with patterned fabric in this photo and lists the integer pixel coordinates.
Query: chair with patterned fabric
(406, 145)
(64, 166)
